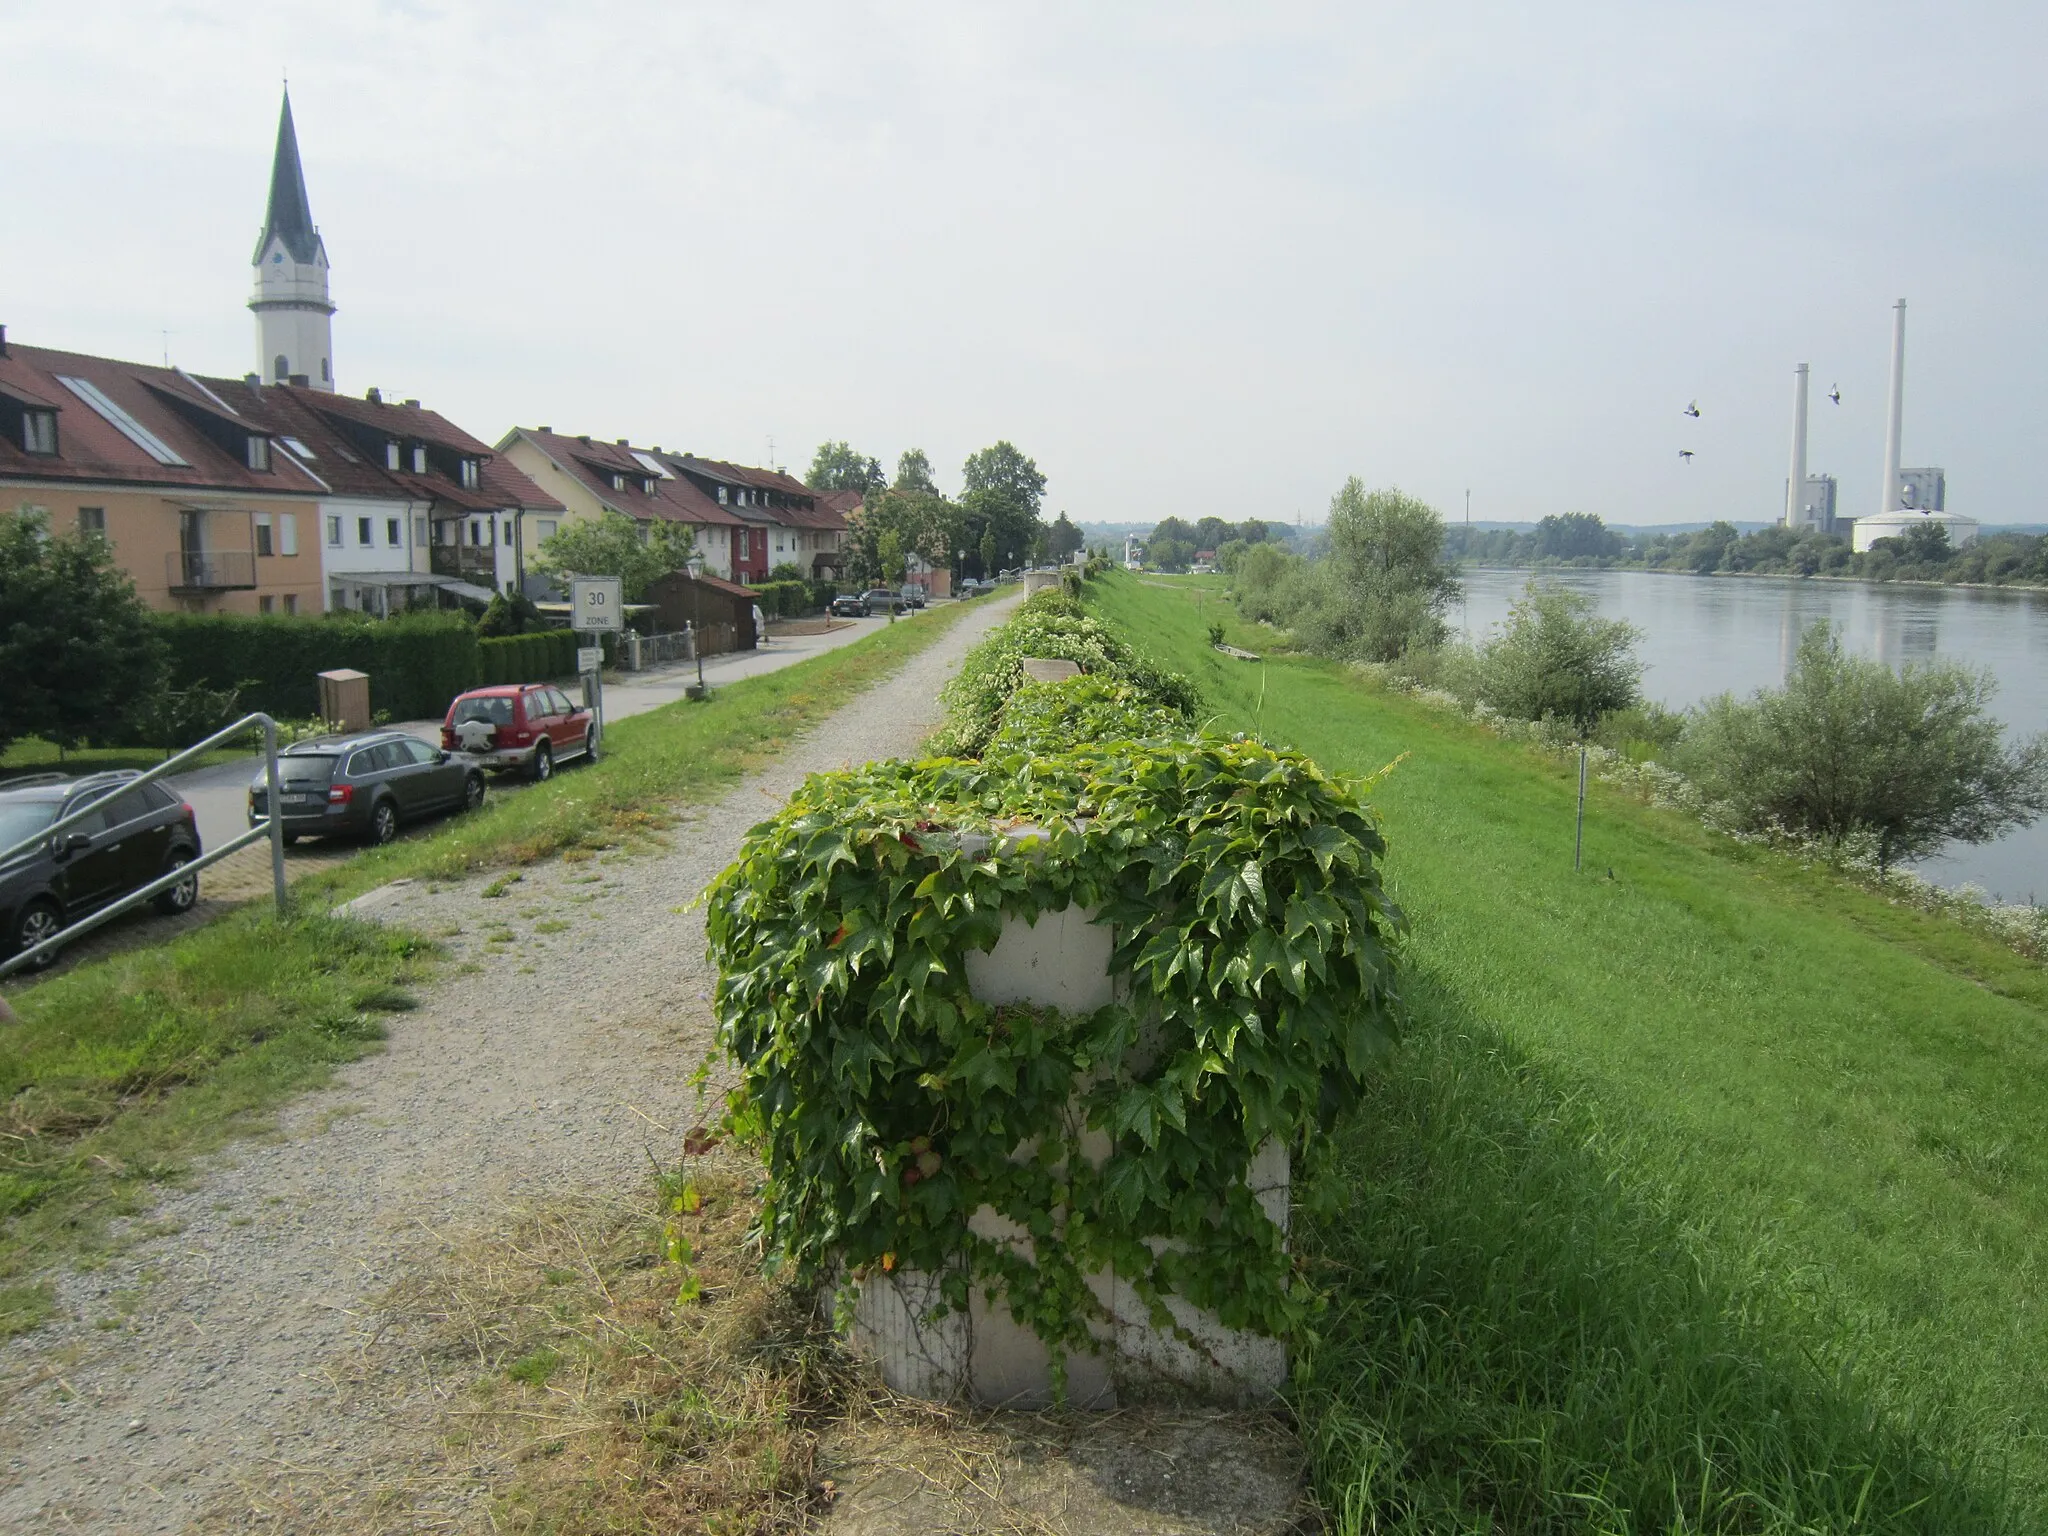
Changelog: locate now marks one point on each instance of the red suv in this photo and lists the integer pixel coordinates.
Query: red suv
(527, 726)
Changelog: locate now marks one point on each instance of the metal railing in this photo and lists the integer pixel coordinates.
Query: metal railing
(190, 570)
(270, 827)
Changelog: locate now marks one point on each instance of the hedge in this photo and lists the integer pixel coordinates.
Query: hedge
(785, 599)
(416, 662)
(1052, 717)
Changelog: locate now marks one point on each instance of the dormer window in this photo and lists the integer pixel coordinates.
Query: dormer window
(647, 487)
(721, 495)
(391, 459)
(259, 452)
(419, 458)
(472, 474)
(618, 482)
(39, 431)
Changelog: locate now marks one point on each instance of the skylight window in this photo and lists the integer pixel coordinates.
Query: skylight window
(651, 464)
(121, 421)
(300, 448)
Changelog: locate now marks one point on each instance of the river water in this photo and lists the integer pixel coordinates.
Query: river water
(1705, 635)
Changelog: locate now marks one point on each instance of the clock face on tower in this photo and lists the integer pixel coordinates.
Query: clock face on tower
(277, 260)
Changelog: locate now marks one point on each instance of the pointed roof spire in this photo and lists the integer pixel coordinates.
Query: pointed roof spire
(290, 217)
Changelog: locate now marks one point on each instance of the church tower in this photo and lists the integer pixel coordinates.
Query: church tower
(294, 320)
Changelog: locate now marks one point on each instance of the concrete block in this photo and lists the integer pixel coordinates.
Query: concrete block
(1040, 669)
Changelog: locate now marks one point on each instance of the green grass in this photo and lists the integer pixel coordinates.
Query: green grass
(1705, 1196)
(123, 1070)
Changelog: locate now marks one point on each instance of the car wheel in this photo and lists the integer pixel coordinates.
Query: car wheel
(178, 898)
(590, 746)
(383, 822)
(290, 839)
(543, 763)
(34, 923)
(473, 792)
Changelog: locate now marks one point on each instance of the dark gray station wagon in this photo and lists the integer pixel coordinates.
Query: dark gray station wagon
(365, 786)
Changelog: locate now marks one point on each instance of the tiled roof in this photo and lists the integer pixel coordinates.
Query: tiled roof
(176, 409)
(593, 463)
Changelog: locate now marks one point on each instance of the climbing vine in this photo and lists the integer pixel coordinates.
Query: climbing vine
(1253, 945)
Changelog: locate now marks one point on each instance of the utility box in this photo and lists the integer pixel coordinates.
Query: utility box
(345, 699)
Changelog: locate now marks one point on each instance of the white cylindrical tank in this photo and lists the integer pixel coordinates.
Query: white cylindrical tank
(1795, 487)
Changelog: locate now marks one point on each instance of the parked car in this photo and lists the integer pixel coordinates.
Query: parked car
(913, 596)
(364, 786)
(883, 600)
(849, 605)
(133, 836)
(522, 727)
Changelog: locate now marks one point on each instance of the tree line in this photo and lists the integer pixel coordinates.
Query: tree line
(1848, 753)
(994, 524)
(1923, 553)
(1174, 544)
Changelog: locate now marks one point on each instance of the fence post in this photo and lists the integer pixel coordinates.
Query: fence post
(275, 806)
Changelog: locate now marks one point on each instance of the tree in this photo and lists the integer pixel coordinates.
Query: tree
(1927, 543)
(924, 522)
(639, 554)
(1064, 539)
(77, 648)
(1006, 472)
(1848, 748)
(510, 613)
(1557, 660)
(1709, 547)
(889, 556)
(1390, 583)
(836, 467)
(914, 472)
(987, 550)
(1575, 536)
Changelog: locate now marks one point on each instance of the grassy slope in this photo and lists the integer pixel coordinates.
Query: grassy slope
(122, 1070)
(1698, 1188)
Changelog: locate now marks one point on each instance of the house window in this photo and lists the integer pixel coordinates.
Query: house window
(334, 533)
(263, 546)
(281, 367)
(507, 526)
(544, 529)
(618, 482)
(93, 520)
(39, 431)
(471, 474)
(291, 599)
(288, 534)
(476, 530)
(419, 459)
(266, 603)
(721, 495)
(394, 532)
(325, 378)
(419, 532)
(259, 452)
(363, 538)
(391, 455)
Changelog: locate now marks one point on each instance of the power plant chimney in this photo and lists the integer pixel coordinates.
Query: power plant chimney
(1888, 499)
(1795, 488)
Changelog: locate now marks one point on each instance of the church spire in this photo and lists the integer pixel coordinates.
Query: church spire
(290, 216)
(294, 332)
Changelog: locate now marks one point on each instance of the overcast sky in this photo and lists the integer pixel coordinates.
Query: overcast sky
(1194, 258)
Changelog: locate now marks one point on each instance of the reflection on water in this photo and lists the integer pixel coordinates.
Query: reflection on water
(1709, 635)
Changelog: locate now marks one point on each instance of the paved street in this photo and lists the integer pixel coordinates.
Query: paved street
(219, 794)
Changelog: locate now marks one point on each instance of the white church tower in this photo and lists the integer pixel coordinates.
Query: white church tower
(294, 320)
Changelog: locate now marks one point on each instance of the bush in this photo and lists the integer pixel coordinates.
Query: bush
(1052, 717)
(416, 662)
(1253, 940)
(784, 599)
(533, 658)
(1848, 748)
(1557, 660)
(1049, 624)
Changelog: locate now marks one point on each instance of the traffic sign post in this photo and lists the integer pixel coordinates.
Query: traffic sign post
(595, 608)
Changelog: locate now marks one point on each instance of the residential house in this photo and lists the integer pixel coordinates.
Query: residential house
(745, 521)
(234, 496)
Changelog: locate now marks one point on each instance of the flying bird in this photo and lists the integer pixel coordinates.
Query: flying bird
(1835, 394)
(1685, 453)
(1693, 409)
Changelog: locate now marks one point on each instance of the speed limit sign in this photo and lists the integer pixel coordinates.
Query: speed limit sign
(594, 604)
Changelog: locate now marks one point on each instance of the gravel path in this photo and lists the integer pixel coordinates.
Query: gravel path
(194, 1372)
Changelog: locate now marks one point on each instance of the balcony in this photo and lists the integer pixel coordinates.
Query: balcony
(190, 571)
(465, 562)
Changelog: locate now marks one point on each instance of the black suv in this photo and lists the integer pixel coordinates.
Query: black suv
(133, 836)
(365, 786)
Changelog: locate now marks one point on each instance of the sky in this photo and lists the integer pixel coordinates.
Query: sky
(1194, 258)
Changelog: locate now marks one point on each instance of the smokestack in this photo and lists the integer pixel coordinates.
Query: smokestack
(1889, 497)
(1795, 488)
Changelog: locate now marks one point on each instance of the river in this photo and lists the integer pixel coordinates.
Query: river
(1704, 635)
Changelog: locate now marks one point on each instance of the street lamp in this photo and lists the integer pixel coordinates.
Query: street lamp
(695, 566)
